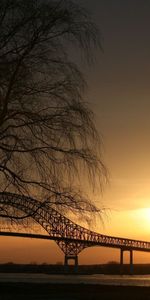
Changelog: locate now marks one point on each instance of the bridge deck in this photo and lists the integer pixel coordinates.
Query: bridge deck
(112, 242)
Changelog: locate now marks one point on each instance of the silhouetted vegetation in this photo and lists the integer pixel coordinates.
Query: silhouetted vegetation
(48, 138)
(113, 269)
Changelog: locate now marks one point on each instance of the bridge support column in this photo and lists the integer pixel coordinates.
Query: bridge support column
(66, 265)
(121, 261)
(131, 262)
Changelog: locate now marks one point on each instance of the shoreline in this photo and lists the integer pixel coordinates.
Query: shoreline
(45, 291)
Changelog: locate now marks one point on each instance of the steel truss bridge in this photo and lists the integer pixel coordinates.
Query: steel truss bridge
(70, 237)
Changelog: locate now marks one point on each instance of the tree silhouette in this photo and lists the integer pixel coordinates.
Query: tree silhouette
(48, 139)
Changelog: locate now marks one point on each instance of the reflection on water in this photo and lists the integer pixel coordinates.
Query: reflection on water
(137, 280)
(124, 280)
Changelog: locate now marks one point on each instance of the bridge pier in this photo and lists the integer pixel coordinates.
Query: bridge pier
(131, 261)
(71, 257)
(121, 261)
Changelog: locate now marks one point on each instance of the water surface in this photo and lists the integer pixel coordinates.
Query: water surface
(123, 280)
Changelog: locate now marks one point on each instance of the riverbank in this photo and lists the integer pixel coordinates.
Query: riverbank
(33, 291)
(108, 269)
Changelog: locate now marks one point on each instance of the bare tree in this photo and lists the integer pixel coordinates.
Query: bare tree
(48, 139)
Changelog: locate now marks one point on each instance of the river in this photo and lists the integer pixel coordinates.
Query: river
(100, 279)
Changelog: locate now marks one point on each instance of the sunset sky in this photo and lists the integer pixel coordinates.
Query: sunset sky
(119, 95)
(121, 90)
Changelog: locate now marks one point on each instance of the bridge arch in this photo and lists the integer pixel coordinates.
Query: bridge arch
(58, 227)
(69, 236)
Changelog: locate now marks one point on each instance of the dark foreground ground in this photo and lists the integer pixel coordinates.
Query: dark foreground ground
(42, 291)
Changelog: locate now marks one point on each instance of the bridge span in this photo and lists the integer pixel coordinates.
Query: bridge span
(133, 244)
(69, 236)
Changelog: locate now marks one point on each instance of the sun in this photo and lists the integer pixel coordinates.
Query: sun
(143, 216)
(146, 213)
